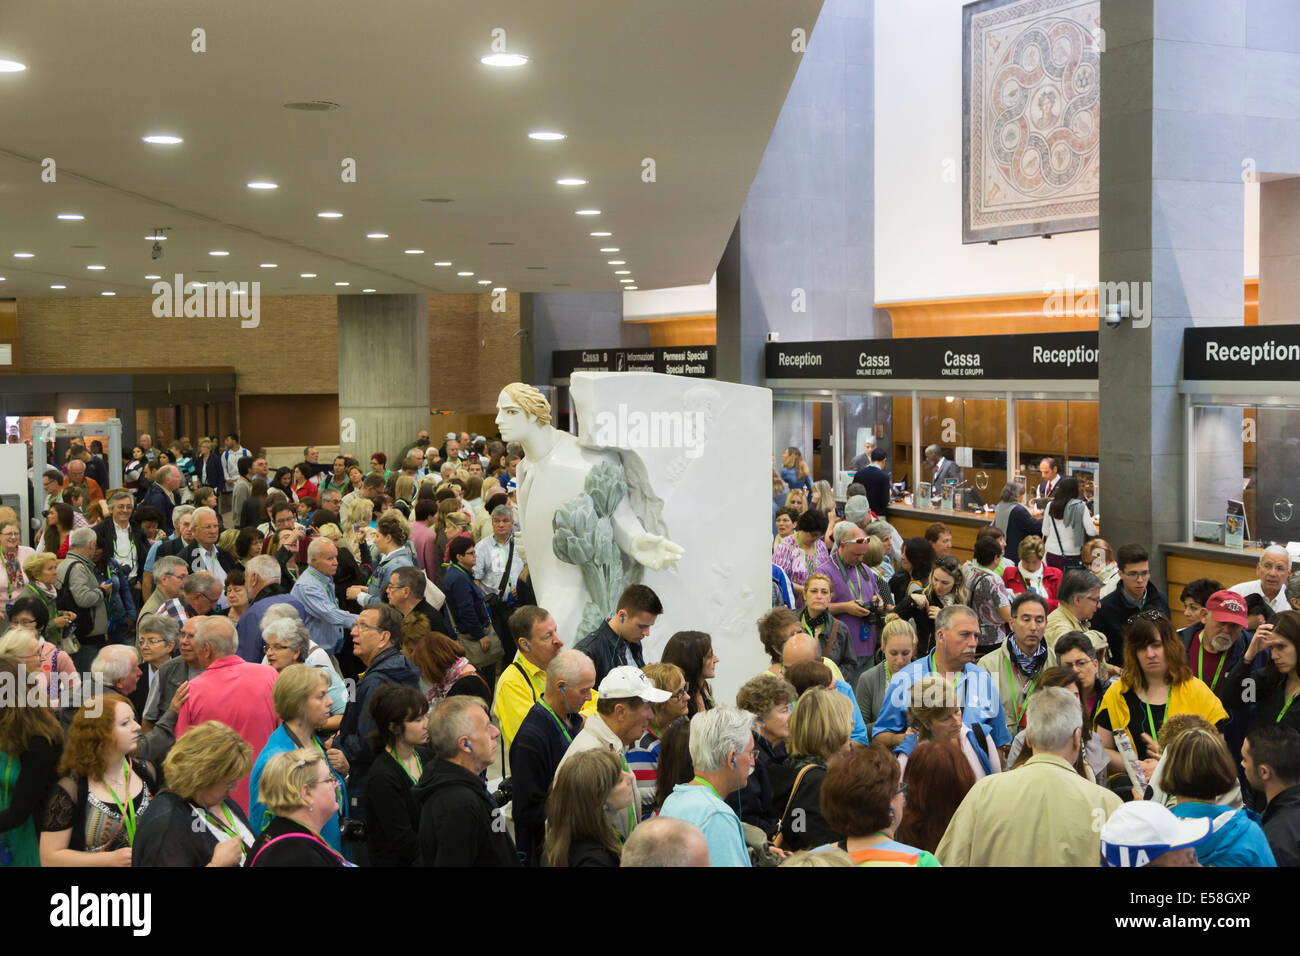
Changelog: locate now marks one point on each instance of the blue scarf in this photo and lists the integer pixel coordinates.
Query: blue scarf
(1026, 665)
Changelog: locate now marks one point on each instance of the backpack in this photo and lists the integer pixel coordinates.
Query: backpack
(64, 601)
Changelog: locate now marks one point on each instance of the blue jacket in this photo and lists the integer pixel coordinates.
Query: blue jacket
(390, 666)
(982, 704)
(468, 611)
(161, 500)
(249, 626)
(326, 622)
(258, 816)
(1237, 841)
(400, 558)
(788, 476)
(859, 734)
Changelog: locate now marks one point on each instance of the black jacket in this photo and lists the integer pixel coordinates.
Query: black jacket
(1113, 613)
(298, 850)
(1241, 716)
(535, 754)
(1282, 826)
(815, 830)
(587, 852)
(390, 666)
(195, 562)
(170, 833)
(874, 479)
(459, 823)
(392, 815)
(754, 802)
(106, 538)
(605, 647)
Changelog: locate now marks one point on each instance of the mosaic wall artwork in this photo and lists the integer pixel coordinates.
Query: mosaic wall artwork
(1030, 119)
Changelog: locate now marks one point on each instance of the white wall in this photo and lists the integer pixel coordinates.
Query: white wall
(918, 248)
(675, 301)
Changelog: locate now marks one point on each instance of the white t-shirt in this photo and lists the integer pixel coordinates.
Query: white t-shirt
(1247, 588)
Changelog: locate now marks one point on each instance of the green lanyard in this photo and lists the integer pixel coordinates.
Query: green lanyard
(703, 782)
(127, 809)
(1282, 712)
(803, 619)
(814, 559)
(1018, 706)
(568, 738)
(402, 763)
(956, 682)
(1200, 663)
(848, 582)
(1151, 721)
(229, 828)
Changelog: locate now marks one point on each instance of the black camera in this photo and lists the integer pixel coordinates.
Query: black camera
(875, 617)
(352, 831)
(505, 792)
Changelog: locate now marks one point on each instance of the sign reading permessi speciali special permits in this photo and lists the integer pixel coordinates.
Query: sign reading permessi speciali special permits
(1056, 355)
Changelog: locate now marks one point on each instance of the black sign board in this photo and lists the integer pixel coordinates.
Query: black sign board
(1262, 353)
(1054, 355)
(691, 361)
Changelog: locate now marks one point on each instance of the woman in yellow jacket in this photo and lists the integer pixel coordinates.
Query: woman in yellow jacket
(1156, 683)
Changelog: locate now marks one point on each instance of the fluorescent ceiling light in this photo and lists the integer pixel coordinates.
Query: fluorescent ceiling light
(96, 268)
(571, 182)
(503, 59)
(546, 136)
(71, 216)
(587, 212)
(376, 235)
(262, 184)
(163, 139)
(12, 66)
(329, 215)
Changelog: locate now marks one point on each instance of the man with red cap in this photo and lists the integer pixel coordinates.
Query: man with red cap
(1214, 648)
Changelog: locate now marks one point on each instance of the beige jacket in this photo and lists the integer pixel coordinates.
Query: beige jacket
(1014, 698)
(1040, 814)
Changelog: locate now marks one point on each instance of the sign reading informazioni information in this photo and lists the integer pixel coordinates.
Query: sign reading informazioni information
(208, 300)
(689, 361)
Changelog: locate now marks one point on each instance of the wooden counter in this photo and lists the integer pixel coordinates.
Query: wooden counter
(964, 525)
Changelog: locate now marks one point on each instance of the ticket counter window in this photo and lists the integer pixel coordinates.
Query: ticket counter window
(962, 427)
(1246, 459)
(1063, 430)
(870, 417)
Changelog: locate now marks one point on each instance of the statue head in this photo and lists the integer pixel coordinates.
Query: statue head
(518, 397)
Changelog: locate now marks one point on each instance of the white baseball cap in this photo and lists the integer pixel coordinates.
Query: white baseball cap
(628, 681)
(1142, 830)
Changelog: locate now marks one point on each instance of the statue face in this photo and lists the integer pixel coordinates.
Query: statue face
(512, 421)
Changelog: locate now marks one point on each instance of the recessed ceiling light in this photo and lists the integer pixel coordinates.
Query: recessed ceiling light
(626, 280)
(499, 288)
(12, 66)
(629, 288)
(329, 215)
(570, 182)
(484, 281)
(306, 275)
(71, 216)
(269, 265)
(218, 252)
(367, 290)
(618, 262)
(24, 255)
(342, 283)
(108, 293)
(158, 237)
(96, 268)
(600, 234)
(442, 263)
(503, 59)
(622, 272)
(610, 249)
(464, 273)
(414, 252)
(163, 139)
(546, 136)
(312, 106)
(58, 287)
(587, 212)
(153, 277)
(376, 235)
(262, 184)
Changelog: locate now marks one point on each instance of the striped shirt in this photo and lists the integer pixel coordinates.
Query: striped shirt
(643, 760)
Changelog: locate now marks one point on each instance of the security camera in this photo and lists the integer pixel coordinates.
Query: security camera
(1114, 314)
(157, 250)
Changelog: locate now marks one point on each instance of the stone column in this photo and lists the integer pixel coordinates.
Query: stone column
(1172, 222)
(383, 373)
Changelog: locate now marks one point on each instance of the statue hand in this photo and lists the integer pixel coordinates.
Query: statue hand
(656, 552)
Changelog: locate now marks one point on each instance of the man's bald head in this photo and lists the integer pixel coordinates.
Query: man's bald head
(664, 841)
(799, 648)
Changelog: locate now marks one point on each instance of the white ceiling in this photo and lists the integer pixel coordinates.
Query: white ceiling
(694, 84)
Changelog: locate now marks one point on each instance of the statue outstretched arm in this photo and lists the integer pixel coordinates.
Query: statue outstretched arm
(654, 551)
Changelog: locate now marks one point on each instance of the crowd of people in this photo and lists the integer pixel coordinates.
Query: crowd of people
(340, 667)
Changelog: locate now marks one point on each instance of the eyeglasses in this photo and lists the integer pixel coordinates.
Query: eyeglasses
(152, 641)
(1136, 575)
(684, 692)
(368, 627)
(331, 780)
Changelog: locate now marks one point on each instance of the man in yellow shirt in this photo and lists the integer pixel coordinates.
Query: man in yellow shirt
(523, 682)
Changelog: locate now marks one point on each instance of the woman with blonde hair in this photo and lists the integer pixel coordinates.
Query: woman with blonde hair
(302, 794)
(935, 714)
(1032, 573)
(194, 821)
(822, 498)
(797, 500)
(90, 817)
(589, 790)
(302, 702)
(794, 470)
(404, 488)
(30, 739)
(355, 523)
(819, 729)
(643, 755)
(481, 526)
(898, 645)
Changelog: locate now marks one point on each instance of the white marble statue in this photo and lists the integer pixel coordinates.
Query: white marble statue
(690, 517)
(555, 474)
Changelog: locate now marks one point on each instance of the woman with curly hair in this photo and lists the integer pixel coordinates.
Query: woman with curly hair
(90, 818)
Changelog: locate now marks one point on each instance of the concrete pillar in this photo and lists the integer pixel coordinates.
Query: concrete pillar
(383, 373)
(1172, 222)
